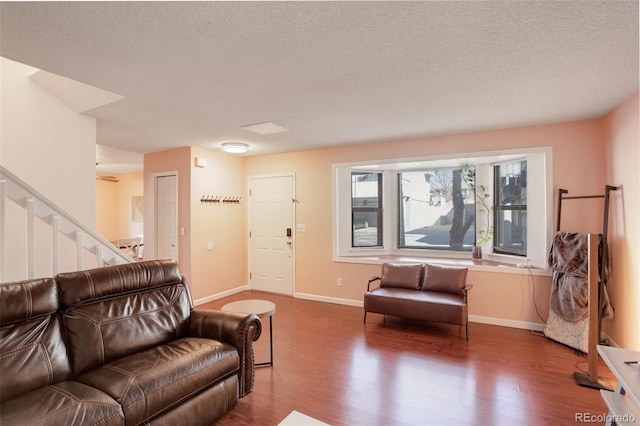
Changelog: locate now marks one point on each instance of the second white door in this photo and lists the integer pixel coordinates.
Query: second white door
(167, 217)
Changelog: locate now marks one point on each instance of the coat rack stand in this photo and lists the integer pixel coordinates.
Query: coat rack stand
(596, 280)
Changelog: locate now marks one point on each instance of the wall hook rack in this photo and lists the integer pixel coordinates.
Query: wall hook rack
(232, 200)
(217, 199)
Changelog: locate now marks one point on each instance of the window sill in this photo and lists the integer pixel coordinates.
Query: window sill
(483, 265)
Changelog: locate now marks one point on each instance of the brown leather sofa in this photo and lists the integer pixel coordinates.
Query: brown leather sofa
(119, 345)
(427, 292)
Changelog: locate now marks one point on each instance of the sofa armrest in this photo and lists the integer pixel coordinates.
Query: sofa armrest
(237, 329)
(372, 279)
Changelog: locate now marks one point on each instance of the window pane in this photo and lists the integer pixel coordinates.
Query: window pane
(366, 209)
(512, 231)
(513, 184)
(511, 208)
(437, 211)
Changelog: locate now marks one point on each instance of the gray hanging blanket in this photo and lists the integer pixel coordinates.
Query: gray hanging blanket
(569, 261)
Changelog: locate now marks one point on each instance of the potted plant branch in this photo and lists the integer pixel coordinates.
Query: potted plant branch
(485, 231)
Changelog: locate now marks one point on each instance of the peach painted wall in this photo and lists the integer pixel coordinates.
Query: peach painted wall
(113, 206)
(623, 155)
(578, 153)
(171, 161)
(106, 198)
(224, 266)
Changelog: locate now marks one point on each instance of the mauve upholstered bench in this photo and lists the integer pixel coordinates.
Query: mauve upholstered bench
(426, 292)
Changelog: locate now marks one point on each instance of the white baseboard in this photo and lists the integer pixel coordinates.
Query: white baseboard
(506, 322)
(472, 318)
(359, 304)
(220, 295)
(335, 300)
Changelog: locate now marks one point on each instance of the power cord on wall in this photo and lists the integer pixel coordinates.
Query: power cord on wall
(533, 295)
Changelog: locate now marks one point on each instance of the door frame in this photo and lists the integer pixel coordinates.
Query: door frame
(155, 176)
(292, 175)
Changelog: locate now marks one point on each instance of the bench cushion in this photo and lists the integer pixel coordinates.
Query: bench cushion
(421, 305)
(401, 275)
(448, 279)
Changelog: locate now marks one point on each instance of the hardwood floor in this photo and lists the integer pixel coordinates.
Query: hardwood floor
(331, 366)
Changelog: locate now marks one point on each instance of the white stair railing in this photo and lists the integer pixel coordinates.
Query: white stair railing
(62, 231)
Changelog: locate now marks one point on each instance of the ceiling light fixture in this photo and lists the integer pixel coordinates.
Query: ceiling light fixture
(235, 147)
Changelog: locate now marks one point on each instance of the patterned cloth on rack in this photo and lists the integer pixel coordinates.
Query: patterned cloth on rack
(569, 261)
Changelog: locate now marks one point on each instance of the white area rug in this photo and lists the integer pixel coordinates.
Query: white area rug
(296, 418)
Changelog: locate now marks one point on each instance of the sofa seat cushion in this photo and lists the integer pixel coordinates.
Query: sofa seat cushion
(152, 381)
(64, 403)
(421, 305)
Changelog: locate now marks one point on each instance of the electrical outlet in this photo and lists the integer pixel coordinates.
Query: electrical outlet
(339, 282)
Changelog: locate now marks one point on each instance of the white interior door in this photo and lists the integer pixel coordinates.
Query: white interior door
(167, 217)
(271, 208)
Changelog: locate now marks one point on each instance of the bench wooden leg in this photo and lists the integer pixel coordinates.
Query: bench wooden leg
(467, 330)
(365, 317)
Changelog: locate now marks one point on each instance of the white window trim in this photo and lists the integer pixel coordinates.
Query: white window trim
(540, 191)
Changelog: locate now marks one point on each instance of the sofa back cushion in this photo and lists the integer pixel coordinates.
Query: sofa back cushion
(447, 279)
(102, 283)
(32, 349)
(119, 310)
(401, 275)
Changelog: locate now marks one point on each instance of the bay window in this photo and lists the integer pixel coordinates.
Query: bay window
(425, 207)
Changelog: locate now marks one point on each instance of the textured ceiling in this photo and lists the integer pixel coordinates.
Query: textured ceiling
(193, 73)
